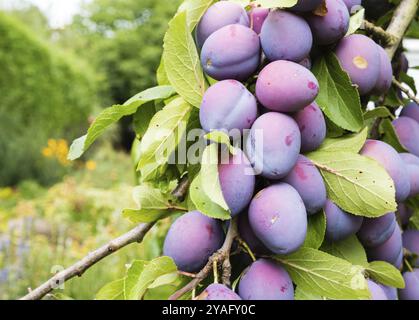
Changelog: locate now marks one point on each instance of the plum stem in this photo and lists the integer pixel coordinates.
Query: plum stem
(215, 271)
(247, 248)
(406, 91)
(409, 267)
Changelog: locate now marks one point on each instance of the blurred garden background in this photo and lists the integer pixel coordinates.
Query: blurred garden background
(61, 62)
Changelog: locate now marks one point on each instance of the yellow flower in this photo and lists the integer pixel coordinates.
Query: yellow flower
(6, 193)
(47, 152)
(91, 165)
(52, 143)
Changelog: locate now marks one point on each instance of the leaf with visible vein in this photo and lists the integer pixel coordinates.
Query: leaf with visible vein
(386, 274)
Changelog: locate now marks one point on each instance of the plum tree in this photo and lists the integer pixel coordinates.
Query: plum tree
(312, 126)
(404, 213)
(247, 234)
(411, 291)
(285, 36)
(377, 292)
(411, 110)
(278, 218)
(227, 105)
(407, 131)
(307, 180)
(352, 3)
(360, 58)
(332, 26)
(388, 157)
(390, 251)
(237, 181)
(286, 86)
(232, 52)
(257, 17)
(266, 280)
(220, 292)
(220, 14)
(385, 76)
(273, 145)
(411, 243)
(376, 231)
(306, 5)
(201, 235)
(340, 224)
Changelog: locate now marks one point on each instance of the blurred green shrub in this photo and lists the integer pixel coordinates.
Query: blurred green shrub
(44, 94)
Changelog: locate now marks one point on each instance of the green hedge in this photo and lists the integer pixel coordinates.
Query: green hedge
(43, 94)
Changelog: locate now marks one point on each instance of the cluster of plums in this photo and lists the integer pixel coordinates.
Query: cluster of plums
(273, 47)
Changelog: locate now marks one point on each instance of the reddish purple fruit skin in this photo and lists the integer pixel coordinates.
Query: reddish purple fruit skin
(411, 111)
(306, 5)
(286, 86)
(331, 27)
(352, 3)
(360, 58)
(409, 158)
(307, 180)
(227, 105)
(390, 292)
(407, 130)
(312, 126)
(237, 182)
(273, 145)
(232, 52)
(404, 213)
(247, 234)
(411, 243)
(192, 239)
(411, 291)
(278, 217)
(285, 36)
(219, 292)
(385, 155)
(257, 17)
(389, 251)
(340, 224)
(219, 15)
(404, 63)
(377, 292)
(386, 73)
(266, 280)
(376, 231)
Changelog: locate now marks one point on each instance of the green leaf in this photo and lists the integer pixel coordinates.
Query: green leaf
(350, 143)
(152, 204)
(316, 230)
(114, 114)
(142, 274)
(349, 249)
(275, 3)
(221, 138)
(142, 118)
(357, 184)
(338, 98)
(322, 274)
(112, 291)
(195, 9)
(386, 274)
(182, 63)
(301, 294)
(204, 204)
(164, 134)
(209, 169)
(390, 135)
(356, 22)
(161, 74)
(379, 112)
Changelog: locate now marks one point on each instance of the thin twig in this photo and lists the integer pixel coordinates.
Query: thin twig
(406, 91)
(387, 38)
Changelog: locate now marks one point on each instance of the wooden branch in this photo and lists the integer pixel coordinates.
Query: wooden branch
(220, 256)
(406, 91)
(387, 38)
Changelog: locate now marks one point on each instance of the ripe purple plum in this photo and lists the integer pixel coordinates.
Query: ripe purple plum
(285, 36)
(388, 157)
(352, 3)
(411, 291)
(219, 292)
(312, 125)
(360, 58)
(332, 26)
(201, 235)
(403, 63)
(273, 145)
(409, 158)
(237, 182)
(228, 105)
(411, 243)
(376, 231)
(278, 218)
(306, 5)
(404, 213)
(257, 17)
(307, 180)
(377, 292)
(389, 251)
(286, 86)
(340, 224)
(386, 73)
(232, 52)
(413, 171)
(219, 15)
(407, 131)
(390, 292)
(266, 280)
(247, 234)
(411, 110)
